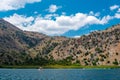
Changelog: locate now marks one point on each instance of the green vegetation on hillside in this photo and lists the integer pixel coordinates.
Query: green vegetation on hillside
(58, 67)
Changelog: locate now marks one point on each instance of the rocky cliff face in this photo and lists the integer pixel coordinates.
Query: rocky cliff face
(22, 47)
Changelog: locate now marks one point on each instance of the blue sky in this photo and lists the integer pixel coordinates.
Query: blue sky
(61, 17)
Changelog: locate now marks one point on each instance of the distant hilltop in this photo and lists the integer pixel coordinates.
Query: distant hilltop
(19, 47)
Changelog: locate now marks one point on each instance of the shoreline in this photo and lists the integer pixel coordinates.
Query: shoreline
(57, 67)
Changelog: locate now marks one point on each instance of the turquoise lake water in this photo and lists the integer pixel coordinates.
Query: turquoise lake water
(60, 74)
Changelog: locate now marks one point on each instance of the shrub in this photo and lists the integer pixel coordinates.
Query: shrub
(115, 62)
(98, 50)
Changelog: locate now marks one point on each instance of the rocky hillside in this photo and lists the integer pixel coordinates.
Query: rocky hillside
(22, 47)
(14, 43)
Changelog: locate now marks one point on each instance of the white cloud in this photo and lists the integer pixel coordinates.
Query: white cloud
(94, 14)
(105, 19)
(35, 12)
(57, 26)
(6, 5)
(118, 10)
(53, 8)
(77, 36)
(20, 21)
(114, 7)
(117, 15)
(50, 16)
(97, 14)
(63, 13)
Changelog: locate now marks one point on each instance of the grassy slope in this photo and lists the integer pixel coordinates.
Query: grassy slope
(59, 67)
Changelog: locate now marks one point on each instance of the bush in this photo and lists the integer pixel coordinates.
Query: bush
(98, 50)
(87, 53)
(115, 62)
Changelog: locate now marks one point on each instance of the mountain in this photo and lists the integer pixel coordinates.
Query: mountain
(14, 43)
(19, 47)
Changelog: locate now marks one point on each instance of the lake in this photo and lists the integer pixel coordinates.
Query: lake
(60, 74)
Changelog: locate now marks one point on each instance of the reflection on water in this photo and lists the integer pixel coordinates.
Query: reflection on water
(59, 74)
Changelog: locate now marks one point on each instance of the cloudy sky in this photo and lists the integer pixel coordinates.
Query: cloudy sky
(71, 18)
